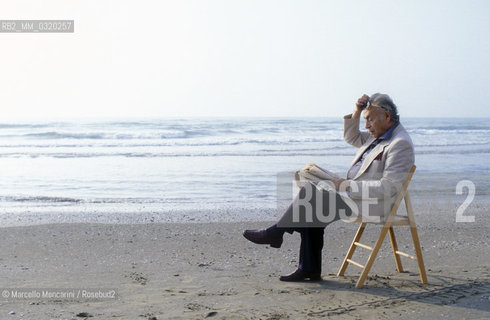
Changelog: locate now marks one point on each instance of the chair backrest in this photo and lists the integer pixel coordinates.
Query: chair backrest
(402, 194)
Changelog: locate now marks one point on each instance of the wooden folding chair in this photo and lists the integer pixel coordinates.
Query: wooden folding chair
(392, 220)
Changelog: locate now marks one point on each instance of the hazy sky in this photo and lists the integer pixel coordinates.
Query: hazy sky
(246, 58)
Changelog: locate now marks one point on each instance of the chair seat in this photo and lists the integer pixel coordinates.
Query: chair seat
(398, 220)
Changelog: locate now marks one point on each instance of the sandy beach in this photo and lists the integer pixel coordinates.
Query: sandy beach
(204, 270)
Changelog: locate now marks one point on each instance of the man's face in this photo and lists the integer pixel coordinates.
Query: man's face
(378, 120)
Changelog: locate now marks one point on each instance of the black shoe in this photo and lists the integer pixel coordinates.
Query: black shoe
(300, 275)
(262, 237)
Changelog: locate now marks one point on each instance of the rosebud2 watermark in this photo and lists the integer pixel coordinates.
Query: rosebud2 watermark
(69, 294)
(307, 204)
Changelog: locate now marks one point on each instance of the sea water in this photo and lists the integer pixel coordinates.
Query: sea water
(145, 167)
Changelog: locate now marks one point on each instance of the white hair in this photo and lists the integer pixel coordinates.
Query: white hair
(384, 101)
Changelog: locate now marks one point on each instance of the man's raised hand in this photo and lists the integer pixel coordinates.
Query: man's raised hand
(360, 105)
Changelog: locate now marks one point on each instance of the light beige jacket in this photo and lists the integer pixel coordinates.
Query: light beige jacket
(383, 171)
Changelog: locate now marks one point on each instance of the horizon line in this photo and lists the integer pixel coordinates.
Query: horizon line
(129, 118)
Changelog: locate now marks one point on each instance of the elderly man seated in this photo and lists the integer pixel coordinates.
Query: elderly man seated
(373, 181)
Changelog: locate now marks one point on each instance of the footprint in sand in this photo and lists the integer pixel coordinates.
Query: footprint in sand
(137, 277)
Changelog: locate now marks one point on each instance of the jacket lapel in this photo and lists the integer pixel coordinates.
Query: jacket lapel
(371, 156)
(361, 150)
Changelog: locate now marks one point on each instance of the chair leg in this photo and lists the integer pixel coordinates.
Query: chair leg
(415, 238)
(394, 246)
(371, 258)
(351, 250)
(418, 252)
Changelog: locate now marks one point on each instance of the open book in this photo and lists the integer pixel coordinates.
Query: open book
(314, 174)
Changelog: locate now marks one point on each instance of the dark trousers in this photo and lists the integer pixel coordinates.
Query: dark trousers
(312, 232)
(310, 250)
